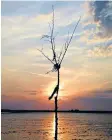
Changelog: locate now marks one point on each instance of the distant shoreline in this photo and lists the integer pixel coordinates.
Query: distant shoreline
(61, 111)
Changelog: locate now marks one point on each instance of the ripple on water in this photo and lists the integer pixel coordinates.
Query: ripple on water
(40, 126)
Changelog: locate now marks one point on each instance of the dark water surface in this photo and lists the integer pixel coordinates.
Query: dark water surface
(40, 126)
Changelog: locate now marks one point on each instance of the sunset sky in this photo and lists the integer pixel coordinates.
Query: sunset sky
(86, 72)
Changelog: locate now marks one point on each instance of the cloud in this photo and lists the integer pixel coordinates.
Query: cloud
(86, 103)
(102, 93)
(97, 24)
(32, 92)
(97, 99)
(16, 82)
(97, 93)
(102, 14)
(100, 51)
(21, 102)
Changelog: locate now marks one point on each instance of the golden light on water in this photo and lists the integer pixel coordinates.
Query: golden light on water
(61, 127)
(52, 125)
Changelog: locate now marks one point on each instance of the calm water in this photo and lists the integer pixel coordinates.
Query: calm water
(40, 126)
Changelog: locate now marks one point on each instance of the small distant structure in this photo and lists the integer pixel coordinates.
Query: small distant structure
(76, 110)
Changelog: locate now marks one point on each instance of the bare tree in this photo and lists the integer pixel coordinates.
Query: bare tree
(56, 61)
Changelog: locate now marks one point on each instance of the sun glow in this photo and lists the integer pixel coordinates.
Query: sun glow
(51, 88)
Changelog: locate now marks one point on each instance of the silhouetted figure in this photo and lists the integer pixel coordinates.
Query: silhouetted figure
(55, 91)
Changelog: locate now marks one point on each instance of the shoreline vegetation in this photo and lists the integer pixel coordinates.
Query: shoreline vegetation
(61, 111)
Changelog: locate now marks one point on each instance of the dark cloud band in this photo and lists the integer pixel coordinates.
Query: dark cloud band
(102, 13)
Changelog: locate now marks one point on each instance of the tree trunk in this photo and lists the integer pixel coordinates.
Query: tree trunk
(56, 109)
(56, 119)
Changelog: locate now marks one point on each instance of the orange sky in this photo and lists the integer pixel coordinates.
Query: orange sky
(86, 77)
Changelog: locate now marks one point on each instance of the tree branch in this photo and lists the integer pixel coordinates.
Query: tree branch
(45, 56)
(64, 45)
(68, 43)
(53, 39)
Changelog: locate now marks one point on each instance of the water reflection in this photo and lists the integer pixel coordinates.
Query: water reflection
(84, 126)
(54, 128)
(41, 126)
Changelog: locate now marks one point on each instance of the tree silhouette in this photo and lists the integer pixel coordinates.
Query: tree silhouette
(56, 61)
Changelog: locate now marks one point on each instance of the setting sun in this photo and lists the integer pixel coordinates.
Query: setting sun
(50, 88)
